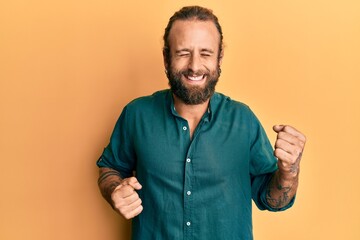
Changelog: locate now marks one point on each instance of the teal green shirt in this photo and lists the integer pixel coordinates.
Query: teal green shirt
(199, 188)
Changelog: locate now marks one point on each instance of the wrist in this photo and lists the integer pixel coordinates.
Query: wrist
(287, 178)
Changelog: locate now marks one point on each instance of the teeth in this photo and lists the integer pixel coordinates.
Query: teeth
(193, 78)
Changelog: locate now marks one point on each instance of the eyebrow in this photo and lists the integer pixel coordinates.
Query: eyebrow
(182, 50)
(188, 50)
(207, 50)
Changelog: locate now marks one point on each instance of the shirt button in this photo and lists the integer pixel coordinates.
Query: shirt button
(188, 193)
(188, 223)
(184, 128)
(188, 160)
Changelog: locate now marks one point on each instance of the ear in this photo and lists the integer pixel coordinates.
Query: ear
(221, 57)
(165, 59)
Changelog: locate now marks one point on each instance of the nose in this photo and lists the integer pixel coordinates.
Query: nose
(194, 63)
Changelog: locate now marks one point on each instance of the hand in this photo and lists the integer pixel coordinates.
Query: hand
(289, 147)
(126, 200)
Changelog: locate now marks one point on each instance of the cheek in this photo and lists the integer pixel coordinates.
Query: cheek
(212, 65)
(179, 64)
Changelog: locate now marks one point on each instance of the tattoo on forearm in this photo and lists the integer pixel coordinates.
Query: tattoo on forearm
(282, 199)
(107, 185)
(294, 168)
(109, 189)
(105, 175)
(299, 157)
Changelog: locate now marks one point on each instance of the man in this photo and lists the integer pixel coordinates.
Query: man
(185, 163)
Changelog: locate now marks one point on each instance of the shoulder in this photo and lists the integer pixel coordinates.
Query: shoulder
(222, 102)
(145, 103)
(227, 109)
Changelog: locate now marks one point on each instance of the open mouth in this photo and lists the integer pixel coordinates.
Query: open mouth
(195, 78)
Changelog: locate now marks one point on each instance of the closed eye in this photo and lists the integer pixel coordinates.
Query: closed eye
(207, 53)
(182, 53)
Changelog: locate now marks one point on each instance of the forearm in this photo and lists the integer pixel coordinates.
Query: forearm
(289, 147)
(108, 180)
(281, 190)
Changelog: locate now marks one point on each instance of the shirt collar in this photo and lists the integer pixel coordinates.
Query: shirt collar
(208, 114)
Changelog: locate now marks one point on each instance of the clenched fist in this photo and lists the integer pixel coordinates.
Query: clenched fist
(126, 200)
(289, 147)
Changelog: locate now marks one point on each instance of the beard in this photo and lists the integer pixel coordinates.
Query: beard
(193, 95)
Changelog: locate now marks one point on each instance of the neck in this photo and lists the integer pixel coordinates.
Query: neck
(190, 112)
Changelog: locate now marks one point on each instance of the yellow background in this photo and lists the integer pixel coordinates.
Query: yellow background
(67, 68)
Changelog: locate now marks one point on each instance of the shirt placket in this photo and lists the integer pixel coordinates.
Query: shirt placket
(188, 183)
(187, 190)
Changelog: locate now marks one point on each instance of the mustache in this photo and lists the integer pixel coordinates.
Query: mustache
(190, 72)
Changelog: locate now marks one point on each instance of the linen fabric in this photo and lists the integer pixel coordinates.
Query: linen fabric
(199, 188)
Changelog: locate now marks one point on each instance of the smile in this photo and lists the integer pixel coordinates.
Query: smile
(195, 78)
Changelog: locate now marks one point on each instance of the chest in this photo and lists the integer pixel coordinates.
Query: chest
(217, 148)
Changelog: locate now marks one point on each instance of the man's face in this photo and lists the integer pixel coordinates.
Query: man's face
(193, 69)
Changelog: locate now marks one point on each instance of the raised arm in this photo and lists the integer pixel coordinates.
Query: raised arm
(289, 147)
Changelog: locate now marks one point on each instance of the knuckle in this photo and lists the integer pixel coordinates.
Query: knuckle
(298, 152)
(127, 181)
(115, 197)
(138, 202)
(132, 179)
(122, 211)
(277, 152)
(287, 128)
(283, 164)
(118, 205)
(116, 191)
(292, 161)
(302, 143)
(127, 190)
(280, 135)
(302, 137)
(136, 196)
(138, 210)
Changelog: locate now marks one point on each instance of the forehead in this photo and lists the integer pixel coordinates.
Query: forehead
(193, 34)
